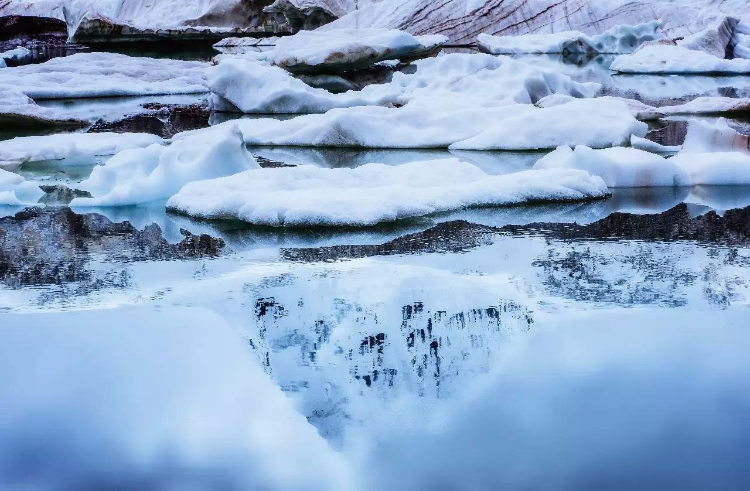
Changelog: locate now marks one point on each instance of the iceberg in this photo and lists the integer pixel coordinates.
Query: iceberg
(15, 190)
(105, 75)
(347, 49)
(617, 40)
(15, 55)
(307, 195)
(670, 59)
(157, 172)
(715, 40)
(717, 136)
(72, 148)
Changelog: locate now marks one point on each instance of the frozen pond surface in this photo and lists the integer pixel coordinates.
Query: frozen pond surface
(593, 345)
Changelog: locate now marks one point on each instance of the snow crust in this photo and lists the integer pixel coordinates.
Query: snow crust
(73, 148)
(347, 48)
(618, 39)
(373, 193)
(105, 75)
(670, 59)
(15, 190)
(157, 172)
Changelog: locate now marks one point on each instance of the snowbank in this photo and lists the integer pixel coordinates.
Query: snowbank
(104, 75)
(618, 167)
(619, 39)
(15, 190)
(74, 148)
(157, 172)
(18, 110)
(373, 193)
(597, 123)
(346, 49)
(669, 59)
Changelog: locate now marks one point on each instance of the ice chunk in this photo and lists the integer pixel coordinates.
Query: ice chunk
(714, 40)
(718, 136)
(103, 75)
(452, 81)
(15, 190)
(14, 55)
(618, 167)
(619, 39)
(714, 168)
(157, 172)
(598, 123)
(18, 110)
(345, 49)
(374, 193)
(653, 147)
(669, 59)
(74, 148)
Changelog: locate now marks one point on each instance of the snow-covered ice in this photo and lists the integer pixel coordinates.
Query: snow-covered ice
(157, 172)
(619, 39)
(374, 193)
(713, 155)
(15, 190)
(454, 80)
(670, 59)
(597, 123)
(103, 75)
(73, 148)
(314, 51)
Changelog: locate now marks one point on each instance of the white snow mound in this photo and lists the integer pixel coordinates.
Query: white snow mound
(373, 193)
(157, 172)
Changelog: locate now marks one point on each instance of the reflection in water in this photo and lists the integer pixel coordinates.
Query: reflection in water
(58, 247)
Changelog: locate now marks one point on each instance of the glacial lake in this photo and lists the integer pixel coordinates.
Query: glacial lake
(598, 345)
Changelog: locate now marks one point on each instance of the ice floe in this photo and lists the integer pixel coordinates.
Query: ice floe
(15, 190)
(671, 59)
(597, 123)
(374, 193)
(103, 75)
(618, 167)
(157, 172)
(619, 39)
(713, 155)
(346, 49)
(17, 109)
(72, 148)
(452, 81)
(14, 55)
(653, 147)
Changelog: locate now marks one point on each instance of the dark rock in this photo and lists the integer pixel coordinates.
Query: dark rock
(165, 120)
